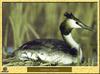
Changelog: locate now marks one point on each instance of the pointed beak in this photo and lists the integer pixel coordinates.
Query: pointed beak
(87, 27)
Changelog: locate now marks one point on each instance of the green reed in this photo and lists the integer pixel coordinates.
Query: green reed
(30, 21)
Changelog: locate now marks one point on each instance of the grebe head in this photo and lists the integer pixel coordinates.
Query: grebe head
(71, 22)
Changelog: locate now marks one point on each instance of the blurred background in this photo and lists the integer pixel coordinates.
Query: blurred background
(23, 22)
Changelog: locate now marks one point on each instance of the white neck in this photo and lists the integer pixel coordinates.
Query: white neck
(69, 39)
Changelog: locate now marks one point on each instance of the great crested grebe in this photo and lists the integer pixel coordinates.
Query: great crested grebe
(52, 50)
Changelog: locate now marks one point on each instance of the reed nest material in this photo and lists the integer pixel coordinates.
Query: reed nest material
(23, 22)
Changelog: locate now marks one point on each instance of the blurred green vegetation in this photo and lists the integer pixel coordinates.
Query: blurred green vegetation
(23, 22)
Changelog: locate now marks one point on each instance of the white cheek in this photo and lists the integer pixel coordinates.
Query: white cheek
(73, 24)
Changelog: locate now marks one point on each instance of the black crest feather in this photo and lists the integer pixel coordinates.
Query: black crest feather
(68, 15)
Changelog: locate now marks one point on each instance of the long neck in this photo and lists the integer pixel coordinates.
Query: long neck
(69, 39)
(73, 44)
